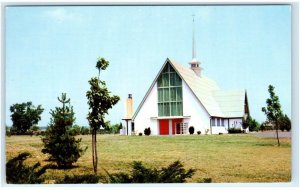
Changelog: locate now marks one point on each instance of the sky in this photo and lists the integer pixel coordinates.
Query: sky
(54, 49)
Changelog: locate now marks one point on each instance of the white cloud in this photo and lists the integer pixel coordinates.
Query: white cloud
(61, 15)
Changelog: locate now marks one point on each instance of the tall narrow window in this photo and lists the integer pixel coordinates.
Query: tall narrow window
(169, 89)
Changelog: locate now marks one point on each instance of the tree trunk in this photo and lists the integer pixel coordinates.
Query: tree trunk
(277, 134)
(94, 151)
(96, 156)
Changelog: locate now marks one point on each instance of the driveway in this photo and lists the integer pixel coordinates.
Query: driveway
(281, 134)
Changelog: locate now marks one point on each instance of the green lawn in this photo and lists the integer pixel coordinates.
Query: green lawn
(223, 158)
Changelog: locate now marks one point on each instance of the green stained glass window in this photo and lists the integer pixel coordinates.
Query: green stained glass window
(160, 109)
(179, 94)
(173, 94)
(160, 95)
(169, 88)
(166, 94)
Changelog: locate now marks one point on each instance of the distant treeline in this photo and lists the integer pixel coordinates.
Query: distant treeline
(75, 130)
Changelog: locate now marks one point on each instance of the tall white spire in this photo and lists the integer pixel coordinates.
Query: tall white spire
(195, 64)
(194, 42)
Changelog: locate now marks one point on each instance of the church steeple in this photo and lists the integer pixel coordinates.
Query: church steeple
(195, 64)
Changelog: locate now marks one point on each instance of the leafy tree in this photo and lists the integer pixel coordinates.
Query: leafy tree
(284, 123)
(115, 128)
(251, 123)
(174, 173)
(99, 101)
(59, 141)
(34, 128)
(18, 173)
(273, 110)
(24, 116)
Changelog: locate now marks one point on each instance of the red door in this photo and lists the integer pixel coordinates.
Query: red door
(174, 128)
(164, 127)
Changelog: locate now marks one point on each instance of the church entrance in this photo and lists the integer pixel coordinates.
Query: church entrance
(168, 126)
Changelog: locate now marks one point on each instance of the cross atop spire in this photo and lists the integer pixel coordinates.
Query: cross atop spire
(195, 63)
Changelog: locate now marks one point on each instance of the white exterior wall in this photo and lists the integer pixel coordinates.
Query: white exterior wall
(149, 109)
(199, 118)
(235, 123)
(220, 129)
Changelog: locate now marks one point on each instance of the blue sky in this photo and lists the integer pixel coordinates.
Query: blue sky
(50, 50)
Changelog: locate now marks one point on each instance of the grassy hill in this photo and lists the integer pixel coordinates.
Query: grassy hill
(223, 158)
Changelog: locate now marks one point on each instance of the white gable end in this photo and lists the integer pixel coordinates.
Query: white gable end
(193, 110)
(148, 110)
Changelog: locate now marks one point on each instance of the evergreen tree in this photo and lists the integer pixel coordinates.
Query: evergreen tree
(273, 110)
(100, 102)
(59, 141)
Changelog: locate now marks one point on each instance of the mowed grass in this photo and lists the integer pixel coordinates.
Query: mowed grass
(223, 158)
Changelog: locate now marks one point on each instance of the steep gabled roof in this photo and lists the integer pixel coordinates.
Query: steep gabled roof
(217, 102)
(202, 88)
(231, 102)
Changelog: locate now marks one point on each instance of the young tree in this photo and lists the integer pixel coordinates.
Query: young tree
(24, 116)
(59, 141)
(99, 101)
(273, 110)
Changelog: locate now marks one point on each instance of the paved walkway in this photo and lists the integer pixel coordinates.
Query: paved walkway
(281, 134)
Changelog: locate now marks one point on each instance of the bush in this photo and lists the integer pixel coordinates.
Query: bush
(147, 131)
(75, 130)
(234, 130)
(174, 173)
(42, 133)
(205, 180)
(18, 173)
(8, 133)
(191, 130)
(140, 134)
(89, 178)
(199, 132)
(84, 131)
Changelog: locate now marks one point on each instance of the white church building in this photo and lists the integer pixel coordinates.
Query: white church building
(182, 97)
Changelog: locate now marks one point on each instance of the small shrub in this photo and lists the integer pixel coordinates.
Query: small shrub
(174, 173)
(234, 130)
(29, 132)
(191, 130)
(205, 180)
(206, 131)
(199, 132)
(42, 133)
(8, 133)
(18, 173)
(84, 131)
(140, 134)
(89, 178)
(147, 131)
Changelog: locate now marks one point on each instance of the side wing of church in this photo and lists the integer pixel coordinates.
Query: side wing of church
(181, 97)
